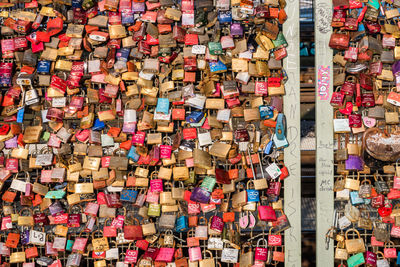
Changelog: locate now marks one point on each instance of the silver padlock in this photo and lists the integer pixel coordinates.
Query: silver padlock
(31, 97)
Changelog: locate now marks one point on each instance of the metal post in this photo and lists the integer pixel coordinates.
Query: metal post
(292, 192)
(324, 130)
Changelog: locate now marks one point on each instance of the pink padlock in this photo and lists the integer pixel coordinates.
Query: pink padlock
(166, 254)
(396, 182)
(152, 197)
(7, 48)
(261, 252)
(369, 122)
(118, 221)
(91, 209)
(50, 250)
(156, 185)
(193, 208)
(79, 244)
(189, 162)
(195, 254)
(6, 223)
(131, 256)
(54, 141)
(138, 138)
(165, 151)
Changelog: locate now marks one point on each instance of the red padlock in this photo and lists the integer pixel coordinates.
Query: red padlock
(337, 99)
(355, 120)
(274, 188)
(368, 99)
(385, 210)
(284, 172)
(349, 86)
(378, 201)
(375, 67)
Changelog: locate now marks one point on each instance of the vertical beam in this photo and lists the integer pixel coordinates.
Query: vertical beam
(324, 129)
(292, 192)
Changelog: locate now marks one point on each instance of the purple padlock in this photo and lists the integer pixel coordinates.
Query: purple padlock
(56, 208)
(396, 68)
(236, 30)
(138, 7)
(217, 224)
(25, 237)
(11, 143)
(354, 162)
(200, 195)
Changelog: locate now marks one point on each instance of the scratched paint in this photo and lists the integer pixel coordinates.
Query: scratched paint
(324, 130)
(292, 203)
(323, 82)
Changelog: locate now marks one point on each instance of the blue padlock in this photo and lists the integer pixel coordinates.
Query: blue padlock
(269, 147)
(225, 17)
(200, 123)
(266, 112)
(98, 125)
(182, 223)
(123, 54)
(128, 195)
(195, 116)
(355, 198)
(367, 201)
(253, 195)
(216, 67)
(20, 115)
(162, 105)
(43, 66)
(127, 17)
(76, 3)
(132, 155)
(280, 130)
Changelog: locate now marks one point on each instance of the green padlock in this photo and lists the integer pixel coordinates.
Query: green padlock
(356, 260)
(280, 40)
(201, 18)
(87, 4)
(192, 178)
(208, 183)
(46, 136)
(69, 245)
(374, 4)
(164, 51)
(58, 194)
(215, 48)
(154, 210)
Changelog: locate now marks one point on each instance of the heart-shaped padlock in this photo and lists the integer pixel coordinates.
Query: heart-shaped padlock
(4, 128)
(348, 109)
(369, 122)
(385, 210)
